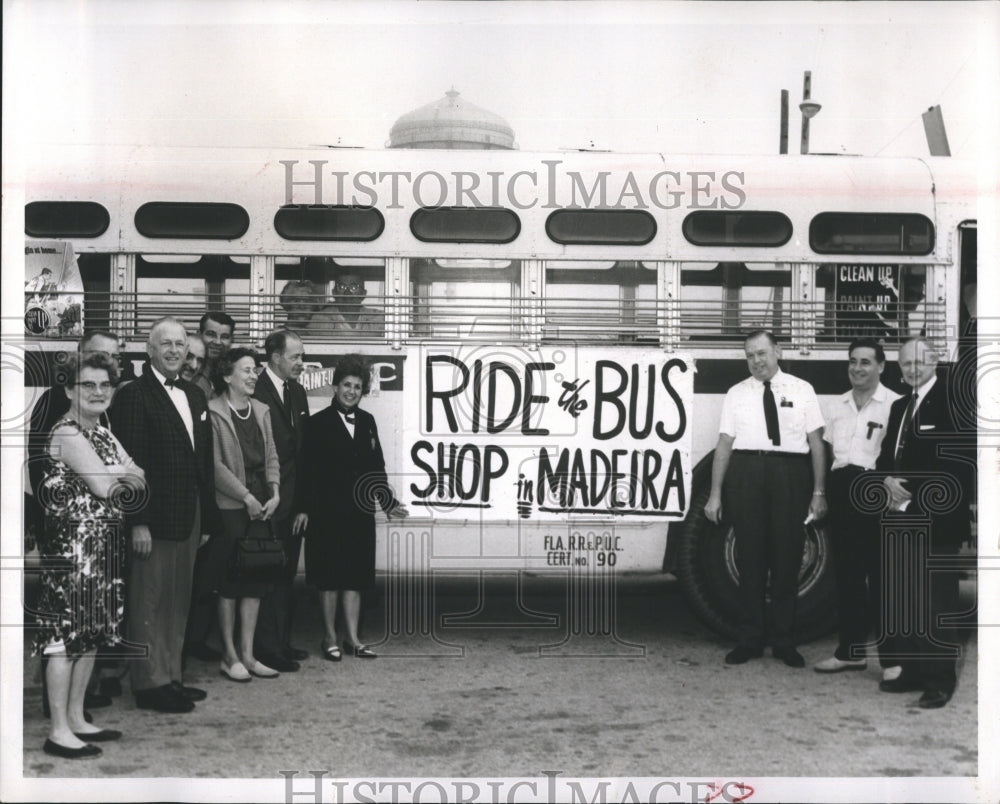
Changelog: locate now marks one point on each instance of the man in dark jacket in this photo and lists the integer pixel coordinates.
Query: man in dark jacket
(278, 387)
(921, 449)
(162, 421)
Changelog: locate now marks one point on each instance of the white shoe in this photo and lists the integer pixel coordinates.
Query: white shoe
(235, 673)
(835, 665)
(891, 673)
(262, 670)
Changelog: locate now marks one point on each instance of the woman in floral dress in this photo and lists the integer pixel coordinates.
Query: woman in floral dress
(90, 482)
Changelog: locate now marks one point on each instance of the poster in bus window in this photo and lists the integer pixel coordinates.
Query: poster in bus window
(53, 290)
(868, 301)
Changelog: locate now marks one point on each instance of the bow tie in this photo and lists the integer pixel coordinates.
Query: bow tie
(170, 383)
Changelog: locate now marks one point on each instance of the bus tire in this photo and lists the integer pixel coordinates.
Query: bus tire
(707, 573)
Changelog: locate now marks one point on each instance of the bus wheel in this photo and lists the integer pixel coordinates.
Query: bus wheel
(706, 568)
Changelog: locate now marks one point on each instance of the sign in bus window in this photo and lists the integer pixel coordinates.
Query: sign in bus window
(876, 300)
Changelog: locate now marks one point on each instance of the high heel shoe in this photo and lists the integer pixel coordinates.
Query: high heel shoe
(359, 651)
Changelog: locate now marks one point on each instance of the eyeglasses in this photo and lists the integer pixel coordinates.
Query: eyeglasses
(354, 287)
(90, 387)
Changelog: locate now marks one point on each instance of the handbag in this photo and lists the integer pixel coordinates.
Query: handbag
(258, 556)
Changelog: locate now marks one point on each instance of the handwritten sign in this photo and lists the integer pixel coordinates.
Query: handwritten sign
(548, 433)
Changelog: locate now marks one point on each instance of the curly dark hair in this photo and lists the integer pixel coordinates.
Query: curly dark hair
(69, 372)
(354, 366)
(224, 366)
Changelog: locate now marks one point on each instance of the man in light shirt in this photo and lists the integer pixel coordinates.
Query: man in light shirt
(770, 437)
(854, 432)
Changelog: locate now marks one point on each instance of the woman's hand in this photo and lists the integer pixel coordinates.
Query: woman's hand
(270, 507)
(300, 523)
(398, 512)
(254, 508)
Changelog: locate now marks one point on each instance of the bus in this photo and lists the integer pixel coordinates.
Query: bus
(551, 334)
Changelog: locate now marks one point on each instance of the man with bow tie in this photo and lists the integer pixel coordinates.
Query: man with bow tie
(770, 452)
(278, 388)
(162, 421)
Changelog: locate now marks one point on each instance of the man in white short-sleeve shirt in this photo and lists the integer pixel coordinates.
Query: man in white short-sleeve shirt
(770, 435)
(855, 428)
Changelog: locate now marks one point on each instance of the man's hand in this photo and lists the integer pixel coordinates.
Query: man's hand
(817, 507)
(399, 512)
(142, 541)
(713, 508)
(300, 523)
(898, 493)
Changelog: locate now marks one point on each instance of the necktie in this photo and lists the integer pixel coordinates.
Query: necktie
(905, 428)
(771, 415)
(285, 405)
(349, 418)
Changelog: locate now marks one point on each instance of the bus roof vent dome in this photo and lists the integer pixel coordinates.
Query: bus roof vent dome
(452, 123)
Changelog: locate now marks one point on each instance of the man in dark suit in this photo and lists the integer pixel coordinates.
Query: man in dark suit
(920, 436)
(278, 387)
(162, 421)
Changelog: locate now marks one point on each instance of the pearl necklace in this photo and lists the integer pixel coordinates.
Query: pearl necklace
(238, 414)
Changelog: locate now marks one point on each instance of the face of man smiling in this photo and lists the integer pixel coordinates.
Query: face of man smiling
(863, 369)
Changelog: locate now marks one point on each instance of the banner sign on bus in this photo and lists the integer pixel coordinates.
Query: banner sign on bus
(545, 434)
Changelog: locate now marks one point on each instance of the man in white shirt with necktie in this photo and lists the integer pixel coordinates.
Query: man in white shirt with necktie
(770, 436)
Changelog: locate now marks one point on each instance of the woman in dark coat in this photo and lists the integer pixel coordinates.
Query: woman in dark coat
(344, 478)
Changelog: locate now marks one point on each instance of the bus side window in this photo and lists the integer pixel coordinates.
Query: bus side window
(724, 301)
(331, 299)
(600, 300)
(95, 270)
(464, 298)
(187, 286)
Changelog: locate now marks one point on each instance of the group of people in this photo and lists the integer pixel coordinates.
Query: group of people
(779, 465)
(144, 490)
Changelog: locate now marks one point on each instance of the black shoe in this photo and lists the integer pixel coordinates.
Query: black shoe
(193, 694)
(296, 654)
(789, 656)
(741, 654)
(904, 683)
(102, 736)
(278, 662)
(933, 699)
(56, 750)
(359, 651)
(201, 651)
(163, 699)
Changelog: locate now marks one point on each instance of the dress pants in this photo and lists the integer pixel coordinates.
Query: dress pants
(856, 540)
(766, 497)
(916, 600)
(158, 596)
(274, 622)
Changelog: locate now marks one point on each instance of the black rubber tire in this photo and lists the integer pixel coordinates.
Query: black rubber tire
(707, 573)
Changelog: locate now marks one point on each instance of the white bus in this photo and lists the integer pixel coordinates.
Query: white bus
(551, 334)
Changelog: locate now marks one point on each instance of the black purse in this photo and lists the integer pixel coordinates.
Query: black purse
(258, 556)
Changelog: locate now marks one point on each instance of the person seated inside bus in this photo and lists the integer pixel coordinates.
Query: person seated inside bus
(309, 312)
